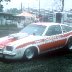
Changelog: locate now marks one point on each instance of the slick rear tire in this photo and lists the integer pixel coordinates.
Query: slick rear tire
(69, 46)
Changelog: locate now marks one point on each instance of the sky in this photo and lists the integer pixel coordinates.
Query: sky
(44, 4)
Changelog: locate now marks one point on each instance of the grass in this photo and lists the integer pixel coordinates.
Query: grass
(45, 63)
(8, 26)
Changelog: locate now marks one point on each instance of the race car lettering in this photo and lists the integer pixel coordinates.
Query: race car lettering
(39, 42)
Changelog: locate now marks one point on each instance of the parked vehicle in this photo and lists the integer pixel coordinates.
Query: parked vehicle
(35, 39)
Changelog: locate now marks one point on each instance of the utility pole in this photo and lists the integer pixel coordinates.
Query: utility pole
(21, 7)
(39, 7)
(39, 12)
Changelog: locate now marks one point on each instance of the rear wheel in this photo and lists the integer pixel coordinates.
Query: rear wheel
(30, 53)
(70, 44)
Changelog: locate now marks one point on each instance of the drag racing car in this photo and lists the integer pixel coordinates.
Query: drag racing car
(35, 39)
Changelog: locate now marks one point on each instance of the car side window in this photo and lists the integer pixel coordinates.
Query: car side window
(53, 30)
(66, 28)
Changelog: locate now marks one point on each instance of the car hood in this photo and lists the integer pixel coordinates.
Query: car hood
(28, 40)
(18, 39)
(10, 38)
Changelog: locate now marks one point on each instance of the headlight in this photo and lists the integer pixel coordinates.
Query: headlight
(9, 48)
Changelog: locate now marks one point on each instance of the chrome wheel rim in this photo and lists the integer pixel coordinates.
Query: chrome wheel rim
(29, 53)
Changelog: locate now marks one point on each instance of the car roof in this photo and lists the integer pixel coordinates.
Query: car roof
(46, 23)
(50, 23)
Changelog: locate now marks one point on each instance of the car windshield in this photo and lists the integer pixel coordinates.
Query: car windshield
(34, 29)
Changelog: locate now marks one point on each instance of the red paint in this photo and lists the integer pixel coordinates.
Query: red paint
(45, 46)
(5, 42)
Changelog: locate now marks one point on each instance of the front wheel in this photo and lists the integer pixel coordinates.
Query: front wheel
(30, 53)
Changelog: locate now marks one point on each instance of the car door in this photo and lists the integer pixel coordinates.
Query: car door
(53, 38)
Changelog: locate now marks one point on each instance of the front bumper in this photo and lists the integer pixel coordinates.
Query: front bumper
(7, 54)
(16, 54)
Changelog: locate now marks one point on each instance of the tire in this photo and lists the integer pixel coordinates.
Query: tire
(69, 46)
(30, 53)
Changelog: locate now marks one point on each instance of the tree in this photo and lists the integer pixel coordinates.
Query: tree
(13, 11)
(5, 0)
(1, 6)
(59, 5)
(62, 5)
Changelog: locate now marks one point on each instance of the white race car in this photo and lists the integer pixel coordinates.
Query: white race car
(35, 39)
